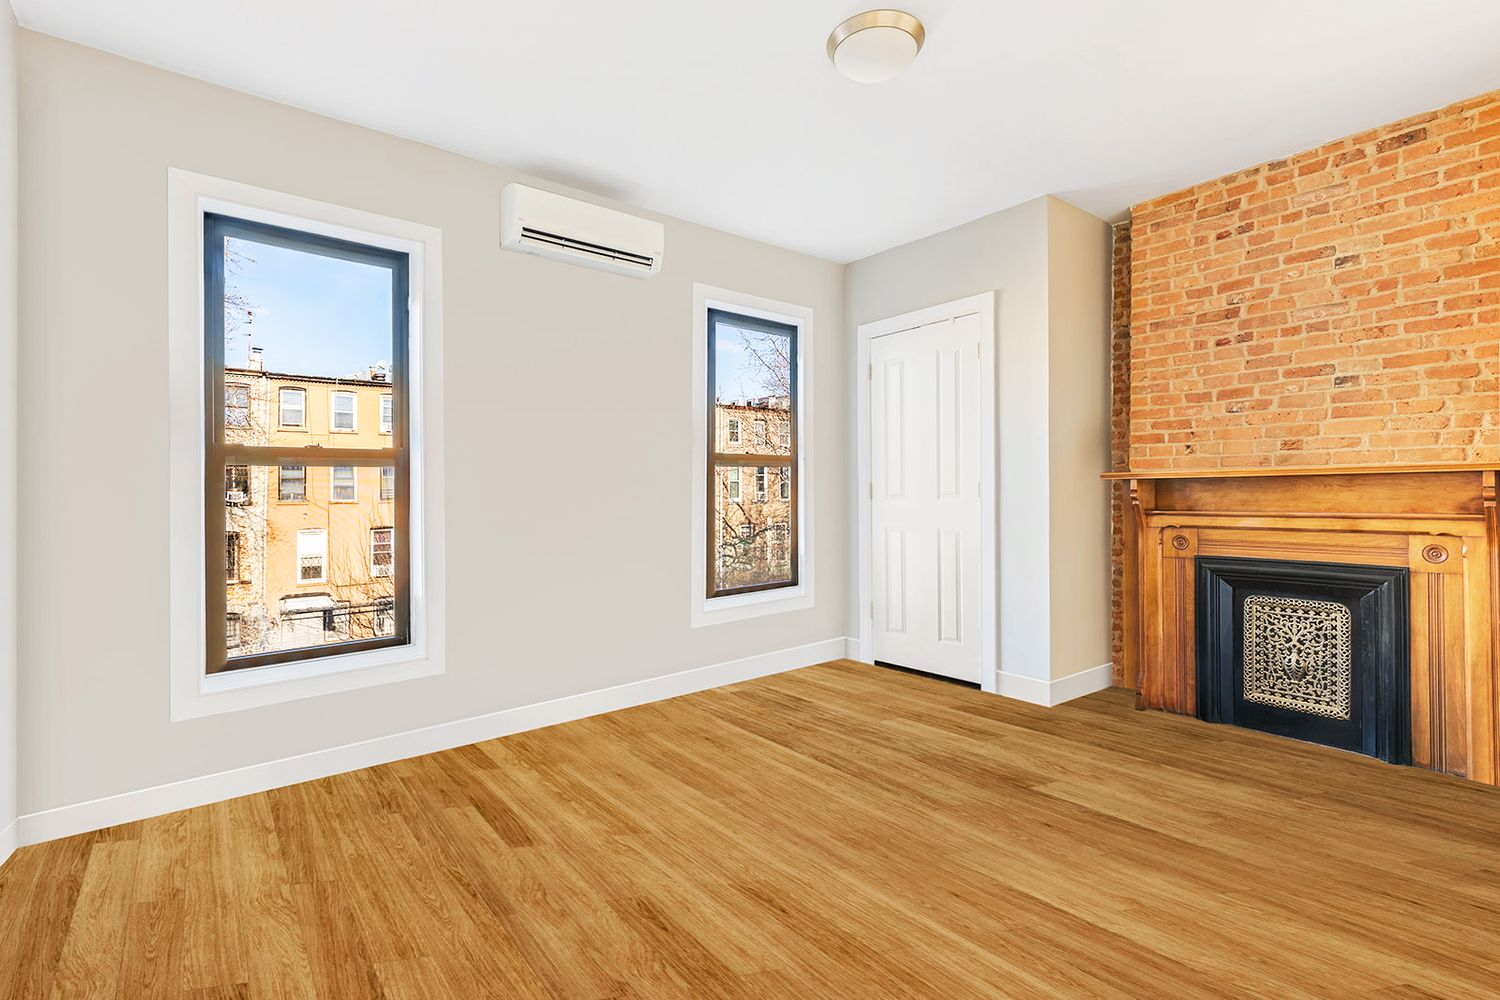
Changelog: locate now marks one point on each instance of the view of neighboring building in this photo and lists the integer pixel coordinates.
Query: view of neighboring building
(309, 548)
(753, 503)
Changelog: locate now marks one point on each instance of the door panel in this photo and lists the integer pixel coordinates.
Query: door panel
(924, 452)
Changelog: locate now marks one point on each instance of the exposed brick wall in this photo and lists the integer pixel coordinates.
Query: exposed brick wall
(1119, 435)
(1341, 306)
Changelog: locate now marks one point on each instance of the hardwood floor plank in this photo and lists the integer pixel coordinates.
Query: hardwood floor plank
(840, 831)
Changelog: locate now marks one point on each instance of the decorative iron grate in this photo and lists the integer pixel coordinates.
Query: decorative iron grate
(1298, 655)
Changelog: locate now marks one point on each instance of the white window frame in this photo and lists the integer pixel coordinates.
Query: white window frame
(734, 483)
(391, 566)
(305, 548)
(387, 413)
(354, 481)
(333, 410)
(732, 430)
(705, 611)
(281, 421)
(194, 693)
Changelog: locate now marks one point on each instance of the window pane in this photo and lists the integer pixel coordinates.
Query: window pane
(742, 534)
(343, 481)
(307, 347)
(388, 482)
(292, 484)
(309, 574)
(752, 387)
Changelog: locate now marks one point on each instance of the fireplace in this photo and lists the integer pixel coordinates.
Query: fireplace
(1316, 651)
(1359, 528)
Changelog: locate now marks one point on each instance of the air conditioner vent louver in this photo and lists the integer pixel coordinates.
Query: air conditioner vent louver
(550, 225)
(580, 246)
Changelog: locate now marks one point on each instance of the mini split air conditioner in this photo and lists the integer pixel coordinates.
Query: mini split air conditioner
(549, 225)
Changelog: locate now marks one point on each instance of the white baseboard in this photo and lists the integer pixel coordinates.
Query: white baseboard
(10, 839)
(1053, 693)
(851, 648)
(127, 807)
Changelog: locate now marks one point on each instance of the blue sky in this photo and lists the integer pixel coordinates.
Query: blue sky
(314, 315)
(736, 375)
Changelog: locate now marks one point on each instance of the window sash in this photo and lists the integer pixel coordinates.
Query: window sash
(718, 459)
(343, 484)
(292, 401)
(386, 416)
(291, 488)
(219, 452)
(341, 404)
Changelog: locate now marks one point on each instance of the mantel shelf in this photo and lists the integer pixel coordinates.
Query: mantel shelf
(1302, 470)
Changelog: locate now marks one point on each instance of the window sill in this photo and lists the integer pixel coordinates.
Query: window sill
(233, 690)
(738, 607)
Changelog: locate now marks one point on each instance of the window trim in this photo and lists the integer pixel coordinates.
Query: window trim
(195, 693)
(334, 394)
(353, 482)
(281, 423)
(322, 578)
(705, 610)
(373, 532)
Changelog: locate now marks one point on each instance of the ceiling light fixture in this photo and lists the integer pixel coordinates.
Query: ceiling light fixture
(874, 46)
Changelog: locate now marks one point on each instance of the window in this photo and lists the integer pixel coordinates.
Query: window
(310, 278)
(291, 484)
(734, 430)
(342, 486)
(342, 407)
(293, 407)
(755, 359)
(236, 405)
(312, 554)
(232, 556)
(231, 630)
(382, 550)
(236, 485)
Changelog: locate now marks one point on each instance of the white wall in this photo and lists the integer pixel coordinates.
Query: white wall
(1078, 312)
(8, 245)
(1053, 345)
(567, 425)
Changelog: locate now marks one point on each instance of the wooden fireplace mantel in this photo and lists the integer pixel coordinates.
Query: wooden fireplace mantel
(1440, 522)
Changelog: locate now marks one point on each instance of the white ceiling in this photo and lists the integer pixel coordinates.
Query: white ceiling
(729, 113)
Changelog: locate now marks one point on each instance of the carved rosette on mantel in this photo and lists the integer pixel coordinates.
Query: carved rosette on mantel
(1438, 522)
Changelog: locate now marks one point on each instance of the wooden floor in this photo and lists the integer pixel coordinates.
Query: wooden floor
(841, 831)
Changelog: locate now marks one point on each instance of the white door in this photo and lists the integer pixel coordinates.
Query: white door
(924, 505)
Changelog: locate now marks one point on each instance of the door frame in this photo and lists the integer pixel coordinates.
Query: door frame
(989, 608)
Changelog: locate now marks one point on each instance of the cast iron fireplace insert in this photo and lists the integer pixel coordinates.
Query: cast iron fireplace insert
(1312, 650)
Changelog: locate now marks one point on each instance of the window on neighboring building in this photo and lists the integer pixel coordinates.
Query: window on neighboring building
(232, 556)
(343, 484)
(784, 434)
(293, 407)
(755, 358)
(231, 630)
(236, 485)
(291, 483)
(310, 278)
(236, 405)
(734, 430)
(343, 408)
(312, 555)
(382, 551)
